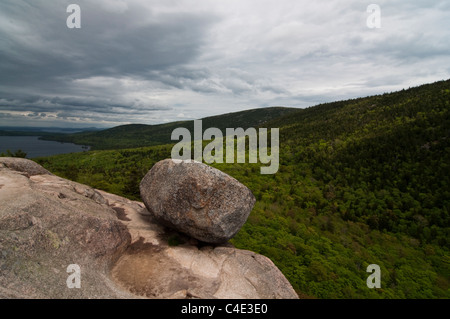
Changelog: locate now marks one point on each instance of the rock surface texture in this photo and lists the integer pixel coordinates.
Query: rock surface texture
(48, 223)
(196, 199)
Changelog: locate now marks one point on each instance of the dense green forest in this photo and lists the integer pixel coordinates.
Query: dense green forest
(362, 181)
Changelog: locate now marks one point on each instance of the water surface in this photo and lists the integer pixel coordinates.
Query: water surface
(34, 147)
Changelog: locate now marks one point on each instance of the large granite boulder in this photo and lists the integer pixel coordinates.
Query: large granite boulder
(196, 199)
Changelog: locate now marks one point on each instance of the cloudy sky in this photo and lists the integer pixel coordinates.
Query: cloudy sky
(142, 61)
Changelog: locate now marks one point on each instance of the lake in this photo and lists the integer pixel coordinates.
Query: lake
(34, 147)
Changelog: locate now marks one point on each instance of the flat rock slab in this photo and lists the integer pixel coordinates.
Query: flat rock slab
(162, 263)
(48, 223)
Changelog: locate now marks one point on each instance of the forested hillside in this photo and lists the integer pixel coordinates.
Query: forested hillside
(363, 181)
(140, 135)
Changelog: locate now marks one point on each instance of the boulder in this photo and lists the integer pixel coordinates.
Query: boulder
(196, 199)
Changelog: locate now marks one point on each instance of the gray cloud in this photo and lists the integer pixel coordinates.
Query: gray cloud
(108, 44)
(150, 61)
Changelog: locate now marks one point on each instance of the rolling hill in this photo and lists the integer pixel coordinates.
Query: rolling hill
(139, 135)
(363, 181)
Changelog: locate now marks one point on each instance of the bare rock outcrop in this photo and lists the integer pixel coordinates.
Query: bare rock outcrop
(196, 199)
(162, 263)
(48, 223)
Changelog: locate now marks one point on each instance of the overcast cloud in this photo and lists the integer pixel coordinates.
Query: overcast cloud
(150, 62)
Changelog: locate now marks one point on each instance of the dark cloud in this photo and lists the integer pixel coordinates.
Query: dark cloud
(150, 61)
(108, 43)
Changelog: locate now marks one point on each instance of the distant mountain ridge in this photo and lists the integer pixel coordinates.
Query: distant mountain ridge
(140, 135)
(38, 131)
